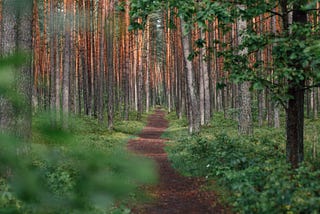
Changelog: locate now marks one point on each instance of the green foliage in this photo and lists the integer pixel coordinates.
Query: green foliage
(8, 78)
(293, 49)
(200, 12)
(141, 9)
(8, 202)
(252, 170)
(83, 170)
(120, 6)
(190, 11)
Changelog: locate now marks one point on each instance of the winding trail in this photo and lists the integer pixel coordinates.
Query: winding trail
(174, 193)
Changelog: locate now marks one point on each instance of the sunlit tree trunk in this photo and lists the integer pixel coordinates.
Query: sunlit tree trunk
(148, 63)
(204, 84)
(101, 77)
(140, 73)
(37, 92)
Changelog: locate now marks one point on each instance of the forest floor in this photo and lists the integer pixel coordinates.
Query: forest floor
(174, 193)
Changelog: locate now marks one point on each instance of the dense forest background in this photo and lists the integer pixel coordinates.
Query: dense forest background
(257, 62)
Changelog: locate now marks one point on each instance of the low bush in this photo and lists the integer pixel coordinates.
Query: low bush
(253, 170)
(82, 170)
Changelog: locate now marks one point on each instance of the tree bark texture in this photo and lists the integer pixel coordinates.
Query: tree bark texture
(193, 104)
(295, 109)
(245, 115)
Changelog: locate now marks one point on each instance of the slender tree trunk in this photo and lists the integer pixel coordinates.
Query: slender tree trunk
(194, 119)
(24, 43)
(73, 60)
(245, 115)
(148, 63)
(260, 95)
(315, 103)
(53, 63)
(206, 79)
(57, 77)
(66, 64)
(88, 17)
(140, 75)
(202, 70)
(110, 71)
(37, 92)
(101, 79)
(273, 110)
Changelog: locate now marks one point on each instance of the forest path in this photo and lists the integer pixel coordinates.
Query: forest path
(174, 193)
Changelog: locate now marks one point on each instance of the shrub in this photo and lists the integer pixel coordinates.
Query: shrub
(253, 170)
(82, 170)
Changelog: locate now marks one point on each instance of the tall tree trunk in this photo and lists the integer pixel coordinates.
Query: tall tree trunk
(16, 35)
(88, 18)
(204, 83)
(245, 115)
(201, 84)
(260, 95)
(101, 78)
(148, 66)
(193, 103)
(66, 64)
(57, 81)
(53, 64)
(24, 43)
(110, 48)
(295, 109)
(8, 47)
(73, 60)
(315, 103)
(275, 108)
(140, 72)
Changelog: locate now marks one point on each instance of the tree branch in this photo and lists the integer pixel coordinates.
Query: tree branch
(275, 13)
(311, 86)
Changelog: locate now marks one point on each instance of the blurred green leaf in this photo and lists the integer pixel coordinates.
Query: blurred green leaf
(16, 59)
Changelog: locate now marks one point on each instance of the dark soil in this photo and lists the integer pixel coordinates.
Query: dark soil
(174, 193)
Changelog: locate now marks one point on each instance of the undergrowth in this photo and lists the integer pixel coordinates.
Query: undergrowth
(85, 169)
(250, 172)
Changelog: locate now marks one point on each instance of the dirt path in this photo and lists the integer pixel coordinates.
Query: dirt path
(174, 193)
